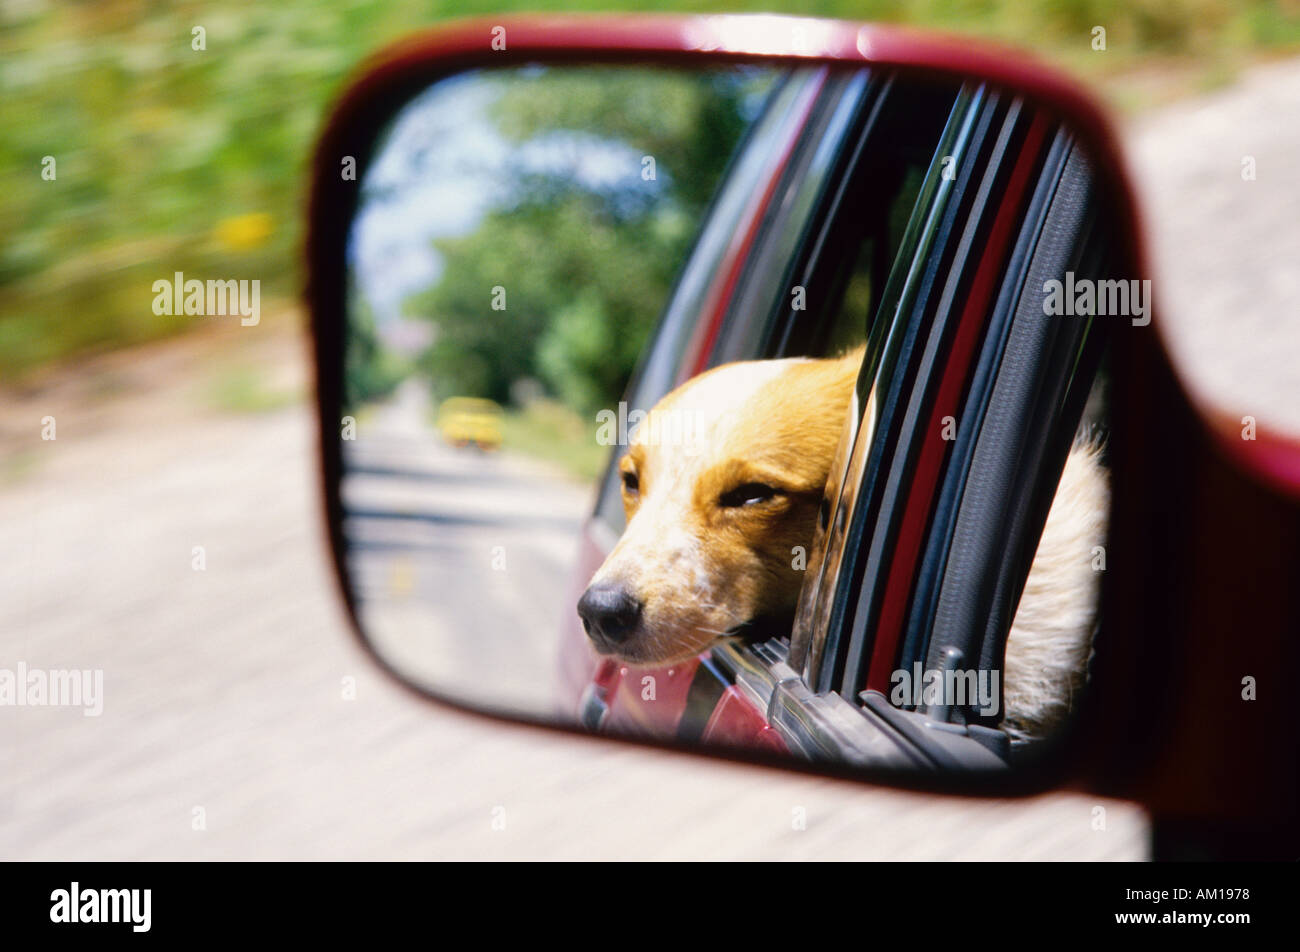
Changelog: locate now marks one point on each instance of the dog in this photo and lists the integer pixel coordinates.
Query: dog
(723, 480)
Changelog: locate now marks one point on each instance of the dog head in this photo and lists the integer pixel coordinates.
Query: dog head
(721, 486)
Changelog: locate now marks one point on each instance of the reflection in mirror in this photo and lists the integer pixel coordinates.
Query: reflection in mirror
(736, 406)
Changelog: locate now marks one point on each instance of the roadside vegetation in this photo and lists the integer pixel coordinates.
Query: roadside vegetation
(173, 159)
(146, 139)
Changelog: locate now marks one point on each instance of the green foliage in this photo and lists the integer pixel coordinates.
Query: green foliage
(552, 431)
(157, 144)
(678, 120)
(372, 371)
(584, 275)
(574, 355)
(243, 389)
(542, 255)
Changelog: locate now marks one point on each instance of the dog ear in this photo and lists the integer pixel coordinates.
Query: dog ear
(795, 422)
(849, 365)
(831, 382)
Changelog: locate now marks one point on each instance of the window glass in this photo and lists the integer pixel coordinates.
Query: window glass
(823, 603)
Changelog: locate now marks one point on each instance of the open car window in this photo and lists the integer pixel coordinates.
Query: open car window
(925, 255)
(844, 155)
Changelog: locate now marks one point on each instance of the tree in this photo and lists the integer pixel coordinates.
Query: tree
(586, 264)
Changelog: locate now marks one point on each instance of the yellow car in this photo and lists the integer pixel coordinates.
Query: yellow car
(466, 420)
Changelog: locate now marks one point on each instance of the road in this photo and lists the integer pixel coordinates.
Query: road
(240, 720)
(462, 559)
(1218, 184)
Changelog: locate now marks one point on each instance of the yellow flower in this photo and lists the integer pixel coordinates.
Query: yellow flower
(242, 232)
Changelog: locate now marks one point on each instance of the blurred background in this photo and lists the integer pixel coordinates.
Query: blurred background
(144, 139)
(194, 160)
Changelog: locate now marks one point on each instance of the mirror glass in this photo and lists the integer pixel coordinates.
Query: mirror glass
(757, 407)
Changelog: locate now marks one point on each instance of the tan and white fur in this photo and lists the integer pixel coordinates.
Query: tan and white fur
(723, 480)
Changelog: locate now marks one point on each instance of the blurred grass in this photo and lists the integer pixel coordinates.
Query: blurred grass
(244, 389)
(548, 430)
(171, 159)
(18, 466)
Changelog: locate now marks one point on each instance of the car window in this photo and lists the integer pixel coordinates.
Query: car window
(794, 212)
(845, 262)
(832, 225)
(809, 283)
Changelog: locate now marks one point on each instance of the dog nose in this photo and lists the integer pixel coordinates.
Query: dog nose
(609, 613)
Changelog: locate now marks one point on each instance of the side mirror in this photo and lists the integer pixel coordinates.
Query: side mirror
(784, 389)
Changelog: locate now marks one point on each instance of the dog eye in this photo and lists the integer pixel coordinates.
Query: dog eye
(746, 495)
(631, 483)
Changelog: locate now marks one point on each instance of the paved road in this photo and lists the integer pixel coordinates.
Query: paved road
(235, 701)
(462, 559)
(1218, 177)
(240, 721)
